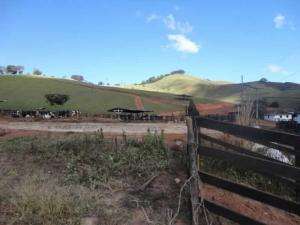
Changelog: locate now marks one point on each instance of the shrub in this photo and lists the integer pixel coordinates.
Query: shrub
(37, 72)
(57, 99)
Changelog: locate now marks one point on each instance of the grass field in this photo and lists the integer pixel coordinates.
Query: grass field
(25, 92)
(61, 180)
(286, 94)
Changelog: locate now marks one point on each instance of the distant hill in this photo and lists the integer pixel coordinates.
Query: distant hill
(177, 84)
(286, 94)
(27, 92)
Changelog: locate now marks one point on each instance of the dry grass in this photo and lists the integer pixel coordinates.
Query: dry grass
(60, 180)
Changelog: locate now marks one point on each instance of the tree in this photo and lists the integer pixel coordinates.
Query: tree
(100, 83)
(77, 77)
(263, 80)
(57, 99)
(37, 72)
(178, 72)
(11, 69)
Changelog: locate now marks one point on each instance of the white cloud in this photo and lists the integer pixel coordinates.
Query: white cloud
(275, 69)
(152, 17)
(182, 44)
(170, 22)
(181, 27)
(279, 21)
(184, 27)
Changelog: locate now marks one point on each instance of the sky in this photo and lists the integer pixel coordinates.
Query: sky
(127, 41)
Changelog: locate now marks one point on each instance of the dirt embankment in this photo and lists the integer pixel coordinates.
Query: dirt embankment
(215, 108)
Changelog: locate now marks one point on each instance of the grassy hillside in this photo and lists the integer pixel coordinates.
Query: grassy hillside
(27, 92)
(287, 94)
(178, 84)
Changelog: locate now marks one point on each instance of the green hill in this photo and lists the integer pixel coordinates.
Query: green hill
(27, 92)
(287, 94)
(178, 84)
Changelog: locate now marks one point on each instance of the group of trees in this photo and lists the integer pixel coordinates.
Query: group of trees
(11, 69)
(157, 78)
(16, 70)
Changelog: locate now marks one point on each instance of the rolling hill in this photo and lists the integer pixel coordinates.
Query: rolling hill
(286, 94)
(27, 92)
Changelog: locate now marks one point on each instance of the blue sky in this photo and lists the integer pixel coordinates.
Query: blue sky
(128, 41)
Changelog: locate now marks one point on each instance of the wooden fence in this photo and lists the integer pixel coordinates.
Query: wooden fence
(245, 159)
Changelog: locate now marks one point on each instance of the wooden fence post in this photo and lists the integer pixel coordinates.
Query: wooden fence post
(297, 164)
(193, 170)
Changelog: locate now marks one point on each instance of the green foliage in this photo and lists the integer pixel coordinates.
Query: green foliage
(57, 99)
(89, 160)
(37, 72)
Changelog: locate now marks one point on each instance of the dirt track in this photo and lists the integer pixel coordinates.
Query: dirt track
(112, 128)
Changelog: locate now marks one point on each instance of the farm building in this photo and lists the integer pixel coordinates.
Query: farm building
(279, 117)
(276, 117)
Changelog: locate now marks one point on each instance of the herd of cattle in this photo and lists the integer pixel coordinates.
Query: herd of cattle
(44, 114)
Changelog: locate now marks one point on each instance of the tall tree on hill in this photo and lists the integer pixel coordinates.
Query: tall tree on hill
(37, 72)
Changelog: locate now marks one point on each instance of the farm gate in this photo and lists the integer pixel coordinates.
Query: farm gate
(243, 159)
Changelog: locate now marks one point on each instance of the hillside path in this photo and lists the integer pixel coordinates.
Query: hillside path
(138, 102)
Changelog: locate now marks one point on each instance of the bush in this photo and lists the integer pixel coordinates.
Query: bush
(37, 72)
(57, 99)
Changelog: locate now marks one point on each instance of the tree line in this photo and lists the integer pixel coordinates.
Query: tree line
(17, 70)
(157, 78)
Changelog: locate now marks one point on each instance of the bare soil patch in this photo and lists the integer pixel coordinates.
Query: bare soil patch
(215, 108)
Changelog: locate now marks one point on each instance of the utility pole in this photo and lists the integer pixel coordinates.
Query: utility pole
(256, 92)
(242, 89)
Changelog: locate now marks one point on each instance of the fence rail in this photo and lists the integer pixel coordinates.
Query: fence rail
(245, 159)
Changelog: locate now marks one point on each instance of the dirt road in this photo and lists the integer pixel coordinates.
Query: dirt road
(112, 128)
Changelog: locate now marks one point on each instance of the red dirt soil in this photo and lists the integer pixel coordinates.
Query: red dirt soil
(251, 208)
(138, 102)
(161, 101)
(215, 108)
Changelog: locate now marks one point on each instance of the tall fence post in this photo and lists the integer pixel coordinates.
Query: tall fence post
(193, 170)
(297, 164)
